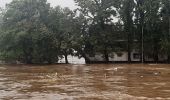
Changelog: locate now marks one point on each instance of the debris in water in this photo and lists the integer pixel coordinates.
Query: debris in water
(157, 73)
(115, 69)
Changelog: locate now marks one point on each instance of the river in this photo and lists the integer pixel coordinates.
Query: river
(85, 82)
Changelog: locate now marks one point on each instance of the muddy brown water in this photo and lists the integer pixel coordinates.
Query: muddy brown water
(85, 82)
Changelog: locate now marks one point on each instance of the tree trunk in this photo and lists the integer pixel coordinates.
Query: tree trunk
(106, 56)
(49, 61)
(129, 47)
(156, 58)
(169, 37)
(29, 59)
(66, 59)
(129, 43)
(87, 60)
(168, 60)
(169, 25)
(129, 56)
(143, 57)
(141, 15)
(128, 28)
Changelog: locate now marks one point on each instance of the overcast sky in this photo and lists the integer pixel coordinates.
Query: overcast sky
(63, 3)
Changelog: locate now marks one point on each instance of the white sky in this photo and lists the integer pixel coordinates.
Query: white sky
(62, 3)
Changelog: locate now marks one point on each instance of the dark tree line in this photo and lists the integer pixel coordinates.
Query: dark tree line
(33, 32)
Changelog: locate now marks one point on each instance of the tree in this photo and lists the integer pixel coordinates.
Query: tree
(61, 26)
(139, 22)
(126, 14)
(81, 40)
(67, 33)
(24, 21)
(165, 39)
(33, 32)
(153, 28)
(99, 14)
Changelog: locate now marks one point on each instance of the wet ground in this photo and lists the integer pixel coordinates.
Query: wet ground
(85, 82)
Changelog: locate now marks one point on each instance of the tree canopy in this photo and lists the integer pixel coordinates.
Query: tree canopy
(31, 31)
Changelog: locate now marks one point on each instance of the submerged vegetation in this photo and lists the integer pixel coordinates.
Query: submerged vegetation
(33, 32)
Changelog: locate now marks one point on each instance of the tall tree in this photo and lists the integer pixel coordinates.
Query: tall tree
(67, 33)
(24, 21)
(126, 14)
(139, 22)
(61, 24)
(153, 28)
(81, 37)
(100, 15)
(165, 40)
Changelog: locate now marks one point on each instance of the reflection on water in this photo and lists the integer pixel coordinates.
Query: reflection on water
(85, 82)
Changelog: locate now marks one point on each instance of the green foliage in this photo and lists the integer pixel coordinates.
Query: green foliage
(33, 32)
(99, 31)
(24, 22)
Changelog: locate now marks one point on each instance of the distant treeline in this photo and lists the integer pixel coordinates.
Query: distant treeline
(33, 32)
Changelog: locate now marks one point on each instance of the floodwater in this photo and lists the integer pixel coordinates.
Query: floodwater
(85, 82)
